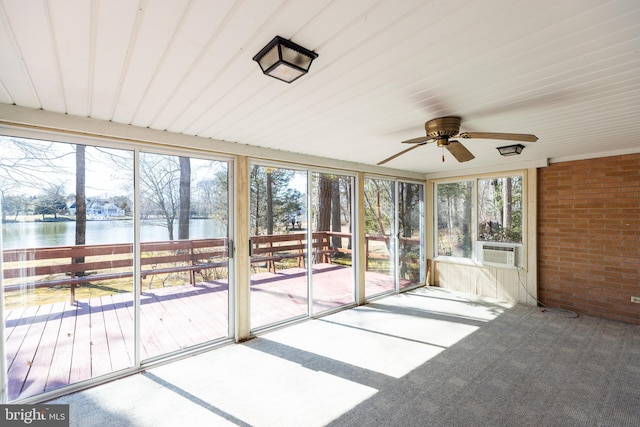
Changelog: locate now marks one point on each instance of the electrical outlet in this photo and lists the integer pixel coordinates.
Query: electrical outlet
(635, 299)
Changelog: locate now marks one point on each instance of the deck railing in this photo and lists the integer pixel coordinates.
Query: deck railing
(270, 249)
(75, 265)
(80, 264)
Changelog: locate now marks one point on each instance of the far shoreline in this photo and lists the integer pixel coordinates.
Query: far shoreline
(60, 218)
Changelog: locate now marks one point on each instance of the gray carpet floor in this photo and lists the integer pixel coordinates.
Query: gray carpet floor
(427, 357)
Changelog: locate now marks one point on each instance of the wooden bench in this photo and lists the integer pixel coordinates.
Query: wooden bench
(195, 254)
(270, 249)
(77, 265)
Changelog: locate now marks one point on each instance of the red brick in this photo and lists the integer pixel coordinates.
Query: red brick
(589, 236)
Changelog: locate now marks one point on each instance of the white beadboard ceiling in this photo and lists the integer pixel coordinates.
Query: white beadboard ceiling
(567, 71)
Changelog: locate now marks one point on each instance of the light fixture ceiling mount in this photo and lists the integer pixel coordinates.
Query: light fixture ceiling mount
(284, 60)
(511, 150)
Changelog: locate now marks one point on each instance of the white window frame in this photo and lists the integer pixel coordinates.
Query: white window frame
(474, 216)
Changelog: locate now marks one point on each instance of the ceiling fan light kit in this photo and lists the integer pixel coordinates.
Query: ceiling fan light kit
(284, 60)
(440, 130)
(511, 150)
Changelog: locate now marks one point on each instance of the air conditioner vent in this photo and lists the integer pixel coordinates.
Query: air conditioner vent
(502, 256)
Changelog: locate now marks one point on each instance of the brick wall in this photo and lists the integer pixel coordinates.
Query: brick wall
(589, 236)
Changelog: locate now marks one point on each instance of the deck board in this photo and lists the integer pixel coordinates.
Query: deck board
(12, 316)
(118, 351)
(174, 323)
(123, 306)
(45, 351)
(54, 345)
(100, 359)
(153, 329)
(27, 351)
(16, 331)
(61, 363)
(195, 326)
(81, 351)
(209, 312)
(183, 310)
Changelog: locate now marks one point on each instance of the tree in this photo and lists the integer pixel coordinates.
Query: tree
(507, 201)
(379, 200)
(454, 218)
(500, 209)
(336, 224)
(185, 198)
(166, 191)
(328, 205)
(269, 201)
(160, 181)
(14, 204)
(124, 203)
(23, 164)
(272, 200)
(51, 201)
(323, 216)
(24, 161)
(213, 197)
(81, 199)
(347, 198)
(409, 222)
(409, 198)
(256, 198)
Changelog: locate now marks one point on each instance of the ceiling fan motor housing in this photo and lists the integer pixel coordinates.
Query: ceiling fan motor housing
(443, 127)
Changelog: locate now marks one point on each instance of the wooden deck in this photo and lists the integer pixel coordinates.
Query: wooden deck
(53, 345)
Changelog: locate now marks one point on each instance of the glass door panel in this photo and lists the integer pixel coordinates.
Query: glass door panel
(184, 206)
(411, 268)
(278, 230)
(379, 212)
(333, 279)
(67, 247)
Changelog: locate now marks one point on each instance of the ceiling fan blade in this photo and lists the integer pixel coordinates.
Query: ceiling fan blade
(419, 140)
(459, 151)
(400, 153)
(525, 137)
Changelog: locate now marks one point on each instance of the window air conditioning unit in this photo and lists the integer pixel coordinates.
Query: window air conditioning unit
(499, 255)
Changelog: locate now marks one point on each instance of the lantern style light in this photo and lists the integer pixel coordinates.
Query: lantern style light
(284, 60)
(511, 150)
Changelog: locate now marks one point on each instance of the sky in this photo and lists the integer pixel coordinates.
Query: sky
(108, 171)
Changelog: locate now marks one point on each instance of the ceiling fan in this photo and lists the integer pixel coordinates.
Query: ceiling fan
(442, 129)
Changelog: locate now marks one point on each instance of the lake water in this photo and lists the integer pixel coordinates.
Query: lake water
(47, 234)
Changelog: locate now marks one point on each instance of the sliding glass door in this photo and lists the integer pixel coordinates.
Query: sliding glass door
(410, 260)
(184, 207)
(278, 229)
(394, 235)
(379, 228)
(73, 219)
(67, 234)
(301, 227)
(333, 275)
